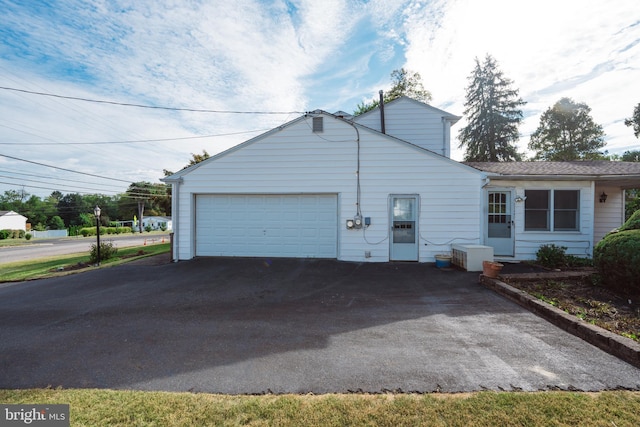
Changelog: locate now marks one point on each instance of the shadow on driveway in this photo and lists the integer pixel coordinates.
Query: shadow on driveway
(245, 325)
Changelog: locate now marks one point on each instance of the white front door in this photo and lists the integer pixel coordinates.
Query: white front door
(499, 229)
(403, 212)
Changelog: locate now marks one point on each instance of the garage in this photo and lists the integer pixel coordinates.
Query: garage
(273, 225)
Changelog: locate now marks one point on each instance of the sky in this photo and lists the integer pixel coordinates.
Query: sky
(254, 65)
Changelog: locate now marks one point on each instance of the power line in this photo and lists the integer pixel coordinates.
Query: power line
(133, 141)
(154, 107)
(63, 169)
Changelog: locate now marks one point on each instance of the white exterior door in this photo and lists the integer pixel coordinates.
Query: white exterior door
(403, 212)
(499, 231)
(295, 226)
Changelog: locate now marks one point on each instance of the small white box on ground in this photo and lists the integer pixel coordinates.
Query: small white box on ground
(470, 257)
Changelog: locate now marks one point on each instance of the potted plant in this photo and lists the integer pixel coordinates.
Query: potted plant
(491, 268)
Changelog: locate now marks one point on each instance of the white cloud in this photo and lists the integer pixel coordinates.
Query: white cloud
(550, 49)
(286, 55)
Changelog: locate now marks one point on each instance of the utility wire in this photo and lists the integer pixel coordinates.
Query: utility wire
(154, 107)
(63, 169)
(134, 141)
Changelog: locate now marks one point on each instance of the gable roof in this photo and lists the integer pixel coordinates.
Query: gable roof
(176, 177)
(451, 117)
(622, 173)
(12, 213)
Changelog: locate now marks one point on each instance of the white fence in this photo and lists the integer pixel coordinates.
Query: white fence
(49, 234)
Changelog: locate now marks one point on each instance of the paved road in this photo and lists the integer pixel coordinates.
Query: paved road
(234, 325)
(41, 248)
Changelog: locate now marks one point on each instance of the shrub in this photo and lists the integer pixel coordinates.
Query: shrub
(617, 258)
(27, 236)
(633, 223)
(4, 234)
(148, 229)
(88, 231)
(107, 250)
(551, 256)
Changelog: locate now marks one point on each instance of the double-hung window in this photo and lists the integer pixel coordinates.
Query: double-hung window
(552, 210)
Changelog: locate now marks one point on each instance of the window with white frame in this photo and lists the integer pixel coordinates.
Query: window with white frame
(552, 210)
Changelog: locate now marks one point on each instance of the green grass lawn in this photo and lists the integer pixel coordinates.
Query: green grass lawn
(135, 408)
(48, 267)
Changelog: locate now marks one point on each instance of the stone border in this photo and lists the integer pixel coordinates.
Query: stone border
(621, 347)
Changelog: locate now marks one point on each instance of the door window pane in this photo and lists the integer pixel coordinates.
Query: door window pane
(403, 209)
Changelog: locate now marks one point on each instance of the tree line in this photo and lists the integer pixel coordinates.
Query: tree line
(75, 210)
(493, 109)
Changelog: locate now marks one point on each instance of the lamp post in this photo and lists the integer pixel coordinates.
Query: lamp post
(96, 212)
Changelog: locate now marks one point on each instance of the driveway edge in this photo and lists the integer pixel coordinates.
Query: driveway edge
(624, 348)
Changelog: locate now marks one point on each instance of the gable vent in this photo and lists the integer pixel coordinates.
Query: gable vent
(318, 124)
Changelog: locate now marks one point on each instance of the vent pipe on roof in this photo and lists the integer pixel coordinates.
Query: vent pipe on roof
(382, 112)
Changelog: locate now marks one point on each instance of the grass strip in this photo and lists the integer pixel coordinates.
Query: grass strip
(48, 267)
(136, 408)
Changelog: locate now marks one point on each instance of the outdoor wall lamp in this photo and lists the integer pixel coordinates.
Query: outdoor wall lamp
(519, 199)
(96, 212)
(603, 197)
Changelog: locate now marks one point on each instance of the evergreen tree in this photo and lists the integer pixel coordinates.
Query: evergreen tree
(634, 121)
(492, 107)
(567, 132)
(404, 83)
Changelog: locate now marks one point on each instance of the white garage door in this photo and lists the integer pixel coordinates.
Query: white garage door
(296, 226)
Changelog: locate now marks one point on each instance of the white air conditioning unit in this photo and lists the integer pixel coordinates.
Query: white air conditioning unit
(470, 257)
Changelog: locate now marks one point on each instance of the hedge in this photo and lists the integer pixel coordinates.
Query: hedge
(617, 258)
(91, 231)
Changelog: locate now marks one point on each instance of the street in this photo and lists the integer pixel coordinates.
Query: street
(42, 248)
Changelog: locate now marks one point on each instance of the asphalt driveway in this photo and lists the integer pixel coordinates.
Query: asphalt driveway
(254, 326)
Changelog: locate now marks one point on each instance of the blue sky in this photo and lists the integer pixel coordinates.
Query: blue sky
(288, 56)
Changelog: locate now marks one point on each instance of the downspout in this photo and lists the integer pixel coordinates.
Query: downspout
(382, 129)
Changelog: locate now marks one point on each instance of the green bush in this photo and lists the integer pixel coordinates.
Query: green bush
(28, 236)
(551, 256)
(91, 231)
(107, 250)
(633, 223)
(4, 234)
(617, 258)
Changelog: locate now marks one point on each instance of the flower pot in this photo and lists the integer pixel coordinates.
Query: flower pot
(491, 268)
(443, 261)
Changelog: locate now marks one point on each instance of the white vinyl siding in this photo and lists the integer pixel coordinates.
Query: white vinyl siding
(578, 242)
(422, 126)
(608, 215)
(295, 226)
(294, 160)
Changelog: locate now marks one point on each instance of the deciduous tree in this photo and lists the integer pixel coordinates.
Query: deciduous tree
(567, 132)
(634, 121)
(404, 83)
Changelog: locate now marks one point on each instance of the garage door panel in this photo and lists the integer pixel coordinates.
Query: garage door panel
(267, 225)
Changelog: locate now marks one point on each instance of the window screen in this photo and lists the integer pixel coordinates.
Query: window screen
(566, 209)
(536, 210)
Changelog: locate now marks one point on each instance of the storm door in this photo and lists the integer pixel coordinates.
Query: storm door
(500, 233)
(404, 228)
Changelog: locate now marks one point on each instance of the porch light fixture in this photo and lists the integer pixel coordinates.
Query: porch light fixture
(603, 197)
(96, 212)
(520, 199)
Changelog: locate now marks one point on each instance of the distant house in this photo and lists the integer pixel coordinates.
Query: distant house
(156, 222)
(10, 220)
(381, 187)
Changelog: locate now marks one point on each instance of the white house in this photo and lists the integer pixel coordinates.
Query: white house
(10, 220)
(156, 222)
(377, 187)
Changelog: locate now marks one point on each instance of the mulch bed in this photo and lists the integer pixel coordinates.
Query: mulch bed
(580, 294)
